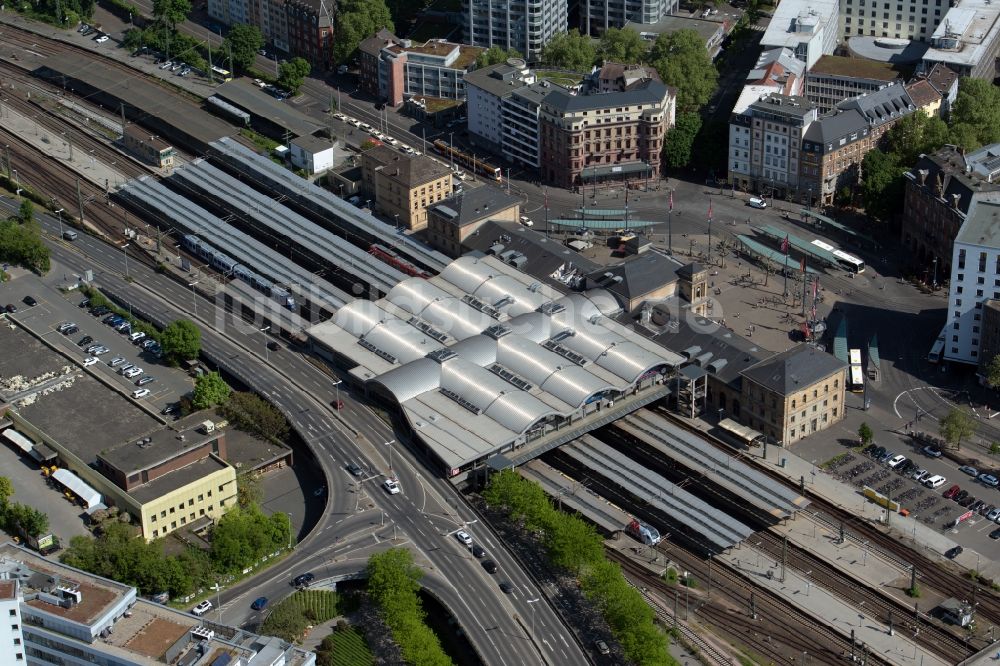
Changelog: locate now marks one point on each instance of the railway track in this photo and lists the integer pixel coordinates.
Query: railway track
(919, 628)
(930, 574)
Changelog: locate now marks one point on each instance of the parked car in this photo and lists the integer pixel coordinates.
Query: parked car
(896, 461)
(116, 361)
(85, 340)
(878, 452)
(919, 474)
(971, 471)
(906, 467)
(977, 505)
(140, 393)
(931, 451)
(100, 351)
(989, 480)
(951, 492)
(993, 515)
(102, 39)
(89, 361)
(952, 553)
(71, 330)
(136, 337)
(133, 372)
(602, 647)
(84, 303)
(995, 534)
(10, 308)
(968, 501)
(757, 202)
(145, 380)
(960, 495)
(167, 65)
(935, 481)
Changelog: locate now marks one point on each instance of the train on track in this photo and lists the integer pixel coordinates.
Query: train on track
(478, 165)
(229, 266)
(390, 257)
(640, 531)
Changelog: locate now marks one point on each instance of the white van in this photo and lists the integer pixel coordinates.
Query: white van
(935, 481)
(757, 202)
(526, 221)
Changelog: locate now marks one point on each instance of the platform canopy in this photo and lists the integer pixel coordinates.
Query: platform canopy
(748, 436)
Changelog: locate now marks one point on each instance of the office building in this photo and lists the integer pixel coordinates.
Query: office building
(302, 28)
(793, 394)
(711, 32)
(605, 138)
(765, 140)
(393, 68)
(312, 154)
(939, 190)
(497, 121)
(523, 25)
(404, 186)
(967, 39)
(596, 16)
(809, 28)
(836, 78)
(975, 278)
(68, 616)
(520, 140)
(903, 20)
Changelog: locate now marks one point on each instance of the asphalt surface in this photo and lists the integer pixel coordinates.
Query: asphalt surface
(426, 512)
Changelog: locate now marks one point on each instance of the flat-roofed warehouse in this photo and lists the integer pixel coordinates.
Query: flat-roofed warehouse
(268, 114)
(483, 360)
(169, 115)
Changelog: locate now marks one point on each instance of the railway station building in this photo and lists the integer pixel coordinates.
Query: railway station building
(404, 186)
(453, 222)
(484, 364)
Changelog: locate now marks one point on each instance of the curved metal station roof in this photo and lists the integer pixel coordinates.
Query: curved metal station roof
(482, 355)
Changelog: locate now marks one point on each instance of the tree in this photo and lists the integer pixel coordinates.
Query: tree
(882, 184)
(180, 341)
(623, 45)
(495, 55)
(956, 426)
(291, 74)
(250, 412)
(6, 491)
(977, 110)
(21, 243)
(865, 434)
(993, 372)
(368, 145)
(210, 389)
(680, 139)
(248, 490)
(914, 135)
(31, 520)
(358, 20)
(570, 50)
(242, 44)
(26, 212)
(171, 12)
(683, 62)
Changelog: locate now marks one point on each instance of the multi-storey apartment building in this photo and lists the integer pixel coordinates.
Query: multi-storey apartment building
(404, 186)
(596, 16)
(835, 78)
(303, 28)
(939, 190)
(833, 147)
(392, 68)
(975, 278)
(519, 131)
(523, 25)
(605, 137)
(765, 140)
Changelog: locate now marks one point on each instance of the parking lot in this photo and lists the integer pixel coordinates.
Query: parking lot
(54, 308)
(927, 505)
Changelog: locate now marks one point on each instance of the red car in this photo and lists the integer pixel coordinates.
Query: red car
(951, 492)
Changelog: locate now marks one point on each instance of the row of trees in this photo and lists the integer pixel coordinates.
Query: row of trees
(974, 121)
(241, 538)
(573, 544)
(393, 582)
(59, 12)
(249, 412)
(21, 240)
(16, 517)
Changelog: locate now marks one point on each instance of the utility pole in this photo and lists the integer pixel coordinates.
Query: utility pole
(79, 198)
(208, 42)
(784, 556)
(7, 149)
(753, 605)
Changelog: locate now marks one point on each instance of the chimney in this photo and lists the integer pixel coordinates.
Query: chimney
(922, 175)
(955, 198)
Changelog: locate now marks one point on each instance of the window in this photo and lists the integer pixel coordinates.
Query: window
(958, 290)
(979, 292)
(152, 518)
(961, 276)
(191, 502)
(12, 612)
(961, 260)
(155, 534)
(980, 281)
(954, 338)
(958, 302)
(201, 498)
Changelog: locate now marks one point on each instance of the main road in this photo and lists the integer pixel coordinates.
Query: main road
(426, 513)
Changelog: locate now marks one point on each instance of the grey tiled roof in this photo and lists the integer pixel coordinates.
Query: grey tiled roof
(473, 204)
(650, 92)
(794, 369)
(639, 275)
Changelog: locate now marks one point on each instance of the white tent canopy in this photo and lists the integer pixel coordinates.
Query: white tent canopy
(18, 440)
(87, 495)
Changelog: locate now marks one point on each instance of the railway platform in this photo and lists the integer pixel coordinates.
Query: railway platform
(895, 647)
(910, 531)
(50, 144)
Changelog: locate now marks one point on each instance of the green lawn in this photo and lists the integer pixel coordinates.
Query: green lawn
(346, 648)
(562, 78)
(290, 618)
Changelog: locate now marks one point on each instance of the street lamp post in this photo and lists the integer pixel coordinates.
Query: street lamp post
(289, 530)
(59, 212)
(389, 444)
(263, 334)
(125, 252)
(194, 298)
(396, 215)
(530, 602)
(934, 283)
(451, 149)
(336, 385)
